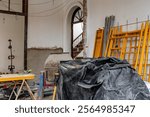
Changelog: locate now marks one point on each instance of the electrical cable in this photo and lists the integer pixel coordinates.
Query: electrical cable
(51, 9)
(31, 15)
(44, 11)
(62, 5)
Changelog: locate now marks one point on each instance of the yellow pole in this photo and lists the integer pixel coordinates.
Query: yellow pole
(108, 42)
(54, 93)
(139, 45)
(143, 48)
(147, 54)
(124, 45)
(55, 87)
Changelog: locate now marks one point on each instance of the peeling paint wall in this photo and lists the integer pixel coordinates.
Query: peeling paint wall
(37, 58)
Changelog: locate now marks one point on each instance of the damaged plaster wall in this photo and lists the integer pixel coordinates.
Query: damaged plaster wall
(37, 57)
(49, 27)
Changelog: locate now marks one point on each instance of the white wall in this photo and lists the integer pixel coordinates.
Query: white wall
(11, 27)
(45, 28)
(50, 28)
(122, 9)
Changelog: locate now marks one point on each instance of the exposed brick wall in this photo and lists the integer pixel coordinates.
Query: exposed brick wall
(78, 49)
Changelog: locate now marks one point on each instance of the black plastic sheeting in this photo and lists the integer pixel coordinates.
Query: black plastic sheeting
(100, 79)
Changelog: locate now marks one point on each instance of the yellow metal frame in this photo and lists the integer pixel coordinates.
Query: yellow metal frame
(143, 48)
(132, 46)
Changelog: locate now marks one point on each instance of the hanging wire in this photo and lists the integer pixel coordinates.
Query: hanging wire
(62, 5)
(44, 11)
(59, 8)
(51, 9)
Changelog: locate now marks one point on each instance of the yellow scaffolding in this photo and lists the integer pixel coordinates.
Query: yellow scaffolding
(98, 44)
(132, 46)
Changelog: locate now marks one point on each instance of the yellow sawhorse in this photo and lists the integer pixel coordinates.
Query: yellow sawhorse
(17, 78)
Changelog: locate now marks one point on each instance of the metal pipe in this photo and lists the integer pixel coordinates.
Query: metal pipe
(132, 23)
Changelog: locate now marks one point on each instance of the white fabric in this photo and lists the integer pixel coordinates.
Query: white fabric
(148, 85)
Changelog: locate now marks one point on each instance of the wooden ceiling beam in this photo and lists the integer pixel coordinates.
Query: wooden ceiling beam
(12, 12)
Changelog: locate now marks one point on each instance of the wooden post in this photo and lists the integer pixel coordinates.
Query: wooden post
(25, 11)
(8, 5)
(84, 27)
(40, 90)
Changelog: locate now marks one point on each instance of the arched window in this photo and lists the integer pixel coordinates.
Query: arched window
(77, 31)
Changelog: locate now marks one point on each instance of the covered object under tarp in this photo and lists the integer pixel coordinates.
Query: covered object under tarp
(100, 79)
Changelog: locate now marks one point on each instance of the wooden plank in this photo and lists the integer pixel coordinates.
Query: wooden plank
(12, 91)
(143, 48)
(108, 42)
(29, 90)
(54, 93)
(20, 88)
(130, 49)
(16, 77)
(98, 44)
(139, 44)
(135, 50)
(146, 57)
(124, 45)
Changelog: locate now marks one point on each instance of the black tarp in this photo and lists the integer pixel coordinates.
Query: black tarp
(100, 79)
